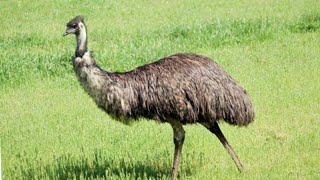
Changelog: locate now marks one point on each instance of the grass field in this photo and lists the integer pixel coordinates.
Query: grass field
(50, 129)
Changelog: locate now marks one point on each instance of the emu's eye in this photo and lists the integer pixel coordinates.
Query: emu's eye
(74, 25)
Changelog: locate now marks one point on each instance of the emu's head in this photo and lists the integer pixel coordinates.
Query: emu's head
(74, 26)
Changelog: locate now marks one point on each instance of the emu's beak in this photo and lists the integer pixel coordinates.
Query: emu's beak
(68, 31)
(65, 33)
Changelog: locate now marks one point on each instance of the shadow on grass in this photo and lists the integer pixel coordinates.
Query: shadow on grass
(66, 168)
(98, 166)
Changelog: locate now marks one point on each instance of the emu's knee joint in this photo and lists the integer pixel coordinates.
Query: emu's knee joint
(179, 137)
(178, 132)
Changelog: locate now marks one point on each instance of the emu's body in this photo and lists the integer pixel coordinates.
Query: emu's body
(183, 87)
(178, 89)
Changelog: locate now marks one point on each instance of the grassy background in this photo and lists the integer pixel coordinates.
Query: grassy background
(50, 129)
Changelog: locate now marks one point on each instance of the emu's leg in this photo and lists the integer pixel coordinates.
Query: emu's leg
(216, 130)
(178, 139)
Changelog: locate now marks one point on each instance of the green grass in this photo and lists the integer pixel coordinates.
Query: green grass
(50, 129)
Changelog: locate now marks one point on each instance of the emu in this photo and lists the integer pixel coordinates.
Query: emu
(179, 89)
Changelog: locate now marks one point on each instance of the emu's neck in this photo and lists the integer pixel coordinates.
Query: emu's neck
(82, 41)
(91, 77)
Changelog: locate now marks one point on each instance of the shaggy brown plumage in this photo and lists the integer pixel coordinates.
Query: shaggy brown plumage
(179, 89)
(185, 87)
